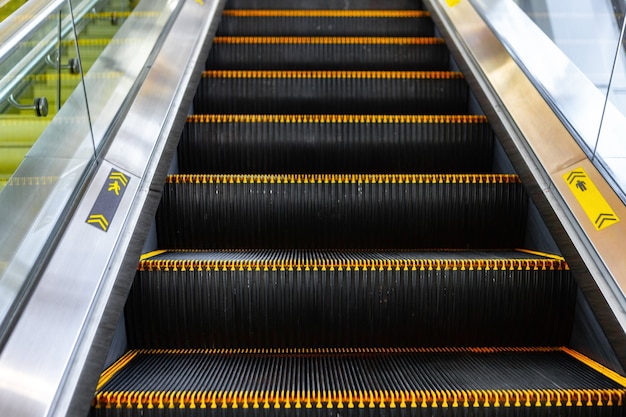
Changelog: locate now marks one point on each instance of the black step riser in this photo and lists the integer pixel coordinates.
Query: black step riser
(331, 96)
(328, 57)
(325, 26)
(326, 4)
(341, 215)
(349, 308)
(301, 148)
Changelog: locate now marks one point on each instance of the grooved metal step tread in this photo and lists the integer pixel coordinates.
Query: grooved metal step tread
(505, 381)
(332, 92)
(313, 74)
(321, 298)
(324, 144)
(326, 23)
(342, 211)
(326, 4)
(374, 259)
(327, 53)
(335, 13)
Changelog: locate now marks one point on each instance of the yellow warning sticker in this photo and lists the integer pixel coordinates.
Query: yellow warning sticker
(591, 200)
(452, 3)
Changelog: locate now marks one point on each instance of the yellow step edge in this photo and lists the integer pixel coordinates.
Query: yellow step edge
(344, 178)
(147, 264)
(512, 398)
(426, 75)
(359, 398)
(325, 13)
(326, 40)
(334, 118)
(596, 366)
(151, 254)
(116, 367)
(547, 255)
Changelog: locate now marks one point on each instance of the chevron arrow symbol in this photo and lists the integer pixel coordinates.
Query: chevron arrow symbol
(605, 217)
(119, 177)
(98, 220)
(574, 175)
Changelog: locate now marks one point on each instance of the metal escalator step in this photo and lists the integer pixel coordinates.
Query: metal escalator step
(332, 92)
(414, 23)
(326, 4)
(342, 211)
(327, 53)
(359, 382)
(306, 144)
(296, 299)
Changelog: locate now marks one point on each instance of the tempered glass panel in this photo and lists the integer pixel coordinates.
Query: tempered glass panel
(27, 200)
(45, 159)
(568, 50)
(611, 148)
(588, 33)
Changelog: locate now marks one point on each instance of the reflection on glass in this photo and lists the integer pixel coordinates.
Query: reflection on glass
(611, 148)
(589, 33)
(7, 7)
(46, 140)
(32, 80)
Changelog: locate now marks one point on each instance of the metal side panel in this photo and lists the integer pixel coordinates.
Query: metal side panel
(52, 359)
(545, 154)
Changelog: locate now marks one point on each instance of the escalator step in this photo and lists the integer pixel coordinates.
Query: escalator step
(331, 92)
(328, 53)
(359, 382)
(342, 211)
(325, 4)
(414, 23)
(296, 299)
(292, 144)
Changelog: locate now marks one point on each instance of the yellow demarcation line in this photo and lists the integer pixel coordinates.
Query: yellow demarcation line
(274, 399)
(117, 366)
(345, 178)
(326, 40)
(427, 75)
(352, 264)
(333, 118)
(326, 13)
(548, 255)
(151, 254)
(596, 366)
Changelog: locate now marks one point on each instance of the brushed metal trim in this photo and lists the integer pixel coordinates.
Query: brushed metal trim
(542, 149)
(52, 360)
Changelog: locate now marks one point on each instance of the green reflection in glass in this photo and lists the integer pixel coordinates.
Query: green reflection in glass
(7, 7)
(55, 77)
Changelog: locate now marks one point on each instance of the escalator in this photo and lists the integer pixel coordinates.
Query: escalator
(338, 240)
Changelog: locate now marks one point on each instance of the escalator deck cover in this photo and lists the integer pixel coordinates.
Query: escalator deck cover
(353, 379)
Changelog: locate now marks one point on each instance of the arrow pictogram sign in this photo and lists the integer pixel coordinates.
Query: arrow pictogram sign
(105, 207)
(591, 200)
